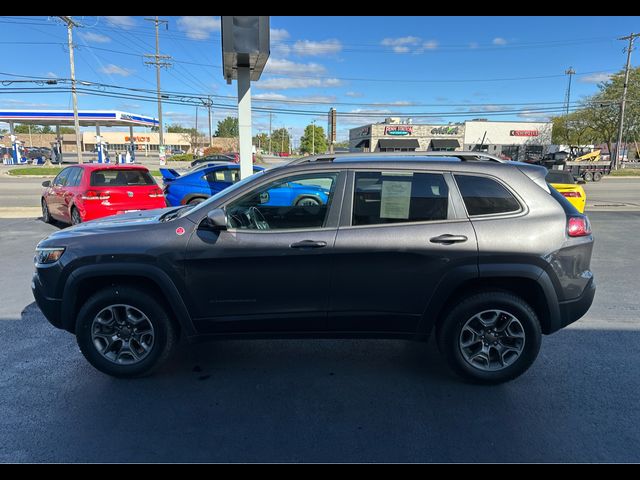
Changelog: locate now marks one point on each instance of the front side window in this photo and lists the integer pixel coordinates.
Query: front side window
(484, 196)
(62, 178)
(294, 202)
(399, 197)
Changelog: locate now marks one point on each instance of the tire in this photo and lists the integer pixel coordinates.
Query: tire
(308, 202)
(597, 176)
(91, 328)
(195, 201)
(76, 219)
(46, 216)
(455, 331)
(588, 176)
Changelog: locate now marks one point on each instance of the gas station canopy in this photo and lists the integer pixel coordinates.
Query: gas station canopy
(103, 118)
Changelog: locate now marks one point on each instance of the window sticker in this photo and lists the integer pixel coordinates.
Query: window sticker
(395, 199)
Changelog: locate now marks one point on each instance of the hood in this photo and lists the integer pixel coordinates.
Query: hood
(113, 224)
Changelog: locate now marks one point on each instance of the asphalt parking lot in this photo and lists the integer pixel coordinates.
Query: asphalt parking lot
(325, 400)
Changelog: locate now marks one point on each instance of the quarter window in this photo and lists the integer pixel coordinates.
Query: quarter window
(62, 178)
(300, 201)
(397, 197)
(484, 196)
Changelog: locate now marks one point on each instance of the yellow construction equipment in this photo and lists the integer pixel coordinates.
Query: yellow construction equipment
(588, 157)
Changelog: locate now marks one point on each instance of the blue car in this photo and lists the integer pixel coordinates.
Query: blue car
(200, 183)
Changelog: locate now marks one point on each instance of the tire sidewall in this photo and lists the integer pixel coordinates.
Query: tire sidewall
(143, 301)
(46, 214)
(448, 337)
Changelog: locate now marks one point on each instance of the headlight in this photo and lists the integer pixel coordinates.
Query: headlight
(46, 256)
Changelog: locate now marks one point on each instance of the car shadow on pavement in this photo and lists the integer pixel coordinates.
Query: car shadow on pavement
(317, 400)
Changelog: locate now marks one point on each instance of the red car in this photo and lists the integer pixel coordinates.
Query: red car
(86, 192)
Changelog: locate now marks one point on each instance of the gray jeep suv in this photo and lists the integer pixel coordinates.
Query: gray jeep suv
(481, 252)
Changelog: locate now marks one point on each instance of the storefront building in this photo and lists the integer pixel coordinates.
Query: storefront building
(395, 136)
(514, 140)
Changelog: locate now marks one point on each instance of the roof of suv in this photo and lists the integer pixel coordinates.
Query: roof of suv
(459, 156)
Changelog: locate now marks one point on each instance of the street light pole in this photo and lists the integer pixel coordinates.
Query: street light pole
(618, 159)
(76, 122)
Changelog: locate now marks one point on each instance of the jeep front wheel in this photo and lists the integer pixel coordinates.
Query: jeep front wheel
(124, 332)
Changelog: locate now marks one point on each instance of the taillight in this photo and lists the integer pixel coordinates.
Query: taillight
(156, 192)
(95, 195)
(571, 194)
(578, 227)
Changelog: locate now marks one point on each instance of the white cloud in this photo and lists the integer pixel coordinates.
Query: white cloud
(499, 41)
(121, 21)
(199, 28)
(430, 45)
(287, 67)
(94, 37)
(312, 48)
(489, 108)
(23, 104)
(354, 94)
(270, 96)
(596, 78)
(278, 34)
(287, 83)
(533, 116)
(52, 75)
(401, 44)
(474, 45)
(112, 69)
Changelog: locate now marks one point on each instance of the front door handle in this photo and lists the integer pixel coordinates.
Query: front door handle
(309, 244)
(448, 239)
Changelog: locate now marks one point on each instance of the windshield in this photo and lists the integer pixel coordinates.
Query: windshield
(205, 205)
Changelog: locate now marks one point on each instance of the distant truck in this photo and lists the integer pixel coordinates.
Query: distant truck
(587, 165)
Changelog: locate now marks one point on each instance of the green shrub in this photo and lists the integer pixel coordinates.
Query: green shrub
(185, 157)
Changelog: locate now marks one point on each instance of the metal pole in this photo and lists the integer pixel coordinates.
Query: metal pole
(161, 136)
(244, 121)
(210, 136)
(618, 159)
(313, 136)
(76, 123)
(571, 72)
(196, 148)
(270, 114)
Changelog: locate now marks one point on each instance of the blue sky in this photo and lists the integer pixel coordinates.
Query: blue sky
(450, 68)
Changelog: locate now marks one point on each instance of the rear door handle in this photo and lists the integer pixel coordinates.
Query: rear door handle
(448, 239)
(309, 244)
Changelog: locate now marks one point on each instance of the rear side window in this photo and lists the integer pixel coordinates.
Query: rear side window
(224, 175)
(120, 178)
(484, 196)
(74, 177)
(397, 197)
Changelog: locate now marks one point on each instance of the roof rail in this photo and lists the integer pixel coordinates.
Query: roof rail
(463, 155)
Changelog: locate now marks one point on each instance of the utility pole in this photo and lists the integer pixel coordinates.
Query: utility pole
(76, 122)
(210, 136)
(270, 115)
(618, 159)
(197, 134)
(313, 138)
(159, 61)
(567, 99)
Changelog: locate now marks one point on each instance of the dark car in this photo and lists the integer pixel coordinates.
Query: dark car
(213, 158)
(482, 253)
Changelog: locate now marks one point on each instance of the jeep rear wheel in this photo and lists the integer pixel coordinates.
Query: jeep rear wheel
(123, 331)
(490, 337)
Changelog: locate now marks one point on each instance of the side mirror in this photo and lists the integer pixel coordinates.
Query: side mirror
(580, 181)
(46, 183)
(217, 219)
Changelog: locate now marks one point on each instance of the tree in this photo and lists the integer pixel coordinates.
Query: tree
(177, 128)
(313, 140)
(227, 127)
(598, 118)
(261, 141)
(280, 140)
(67, 130)
(26, 129)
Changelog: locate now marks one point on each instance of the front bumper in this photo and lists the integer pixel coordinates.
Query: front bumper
(573, 310)
(50, 307)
